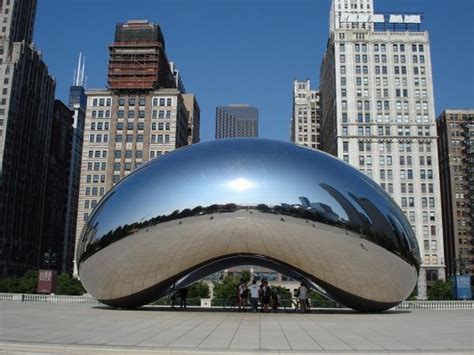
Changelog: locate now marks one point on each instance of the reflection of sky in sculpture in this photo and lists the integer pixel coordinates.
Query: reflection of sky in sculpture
(245, 174)
(220, 204)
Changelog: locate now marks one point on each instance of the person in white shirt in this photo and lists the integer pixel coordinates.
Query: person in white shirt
(254, 295)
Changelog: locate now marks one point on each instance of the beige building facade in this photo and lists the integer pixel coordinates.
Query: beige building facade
(305, 121)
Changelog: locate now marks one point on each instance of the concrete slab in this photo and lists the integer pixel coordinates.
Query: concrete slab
(84, 329)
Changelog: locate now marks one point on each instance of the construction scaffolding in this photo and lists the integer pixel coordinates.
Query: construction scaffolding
(137, 59)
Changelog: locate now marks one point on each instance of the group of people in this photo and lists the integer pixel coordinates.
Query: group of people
(266, 296)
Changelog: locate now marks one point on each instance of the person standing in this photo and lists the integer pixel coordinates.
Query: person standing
(242, 294)
(275, 299)
(254, 295)
(183, 293)
(303, 297)
(265, 295)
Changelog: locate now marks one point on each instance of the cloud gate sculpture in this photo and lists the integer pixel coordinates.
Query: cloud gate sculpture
(219, 204)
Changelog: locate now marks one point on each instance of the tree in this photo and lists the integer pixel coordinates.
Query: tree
(283, 292)
(28, 283)
(440, 290)
(198, 290)
(68, 285)
(227, 289)
(245, 275)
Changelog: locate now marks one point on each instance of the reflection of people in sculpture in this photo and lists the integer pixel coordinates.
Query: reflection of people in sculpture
(183, 294)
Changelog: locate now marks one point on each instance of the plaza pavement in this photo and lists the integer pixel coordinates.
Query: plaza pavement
(86, 329)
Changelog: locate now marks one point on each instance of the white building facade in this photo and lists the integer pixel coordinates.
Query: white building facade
(305, 121)
(378, 115)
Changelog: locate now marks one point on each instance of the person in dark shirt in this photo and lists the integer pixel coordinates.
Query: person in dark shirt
(183, 293)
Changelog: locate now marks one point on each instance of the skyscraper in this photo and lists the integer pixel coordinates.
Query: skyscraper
(236, 121)
(140, 116)
(378, 114)
(77, 103)
(305, 121)
(53, 242)
(456, 165)
(26, 109)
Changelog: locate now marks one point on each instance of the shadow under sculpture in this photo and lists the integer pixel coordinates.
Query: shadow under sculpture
(214, 205)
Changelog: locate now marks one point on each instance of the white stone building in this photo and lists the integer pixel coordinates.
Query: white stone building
(378, 114)
(305, 121)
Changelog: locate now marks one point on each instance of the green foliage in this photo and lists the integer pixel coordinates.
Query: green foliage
(414, 295)
(198, 290)
(226, 289)
(245, 275)
(315, 296)
(283, 292)
(25, 284)
(440, 290)
(68, 285)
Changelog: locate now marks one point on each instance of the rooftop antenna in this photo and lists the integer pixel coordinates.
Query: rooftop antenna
(83, 70)
(78, 79)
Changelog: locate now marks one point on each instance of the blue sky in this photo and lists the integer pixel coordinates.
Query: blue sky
(245, 51)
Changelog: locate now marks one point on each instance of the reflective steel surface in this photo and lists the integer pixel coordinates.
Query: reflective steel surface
(218, 204)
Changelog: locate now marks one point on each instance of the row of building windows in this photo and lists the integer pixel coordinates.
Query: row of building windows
(100, 114)
(385, 105)
(132, 101)
(95, 191)
(99, 126)
(98, 138)
(102, 101)
(97, 154)
(382, 47)
(160, 138)
(95, 178)
(365, 92)
(130, 126)
(410, 202)
(128, 154)
(402, 131)
(129, 138)
(387, 146)
(96, 166)
(127, 166)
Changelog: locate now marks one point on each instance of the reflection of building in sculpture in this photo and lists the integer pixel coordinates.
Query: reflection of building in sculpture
(156, 248)
(378, 114)
(353, 215)
(320, 207)
(141, 115)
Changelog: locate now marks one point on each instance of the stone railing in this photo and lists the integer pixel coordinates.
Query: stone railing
(46, 298)
(88, 299)
(436, 305)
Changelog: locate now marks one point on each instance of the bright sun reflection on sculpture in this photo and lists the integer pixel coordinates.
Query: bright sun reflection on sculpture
(240, 184)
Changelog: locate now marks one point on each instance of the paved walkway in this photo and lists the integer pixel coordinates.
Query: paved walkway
(81, 328)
